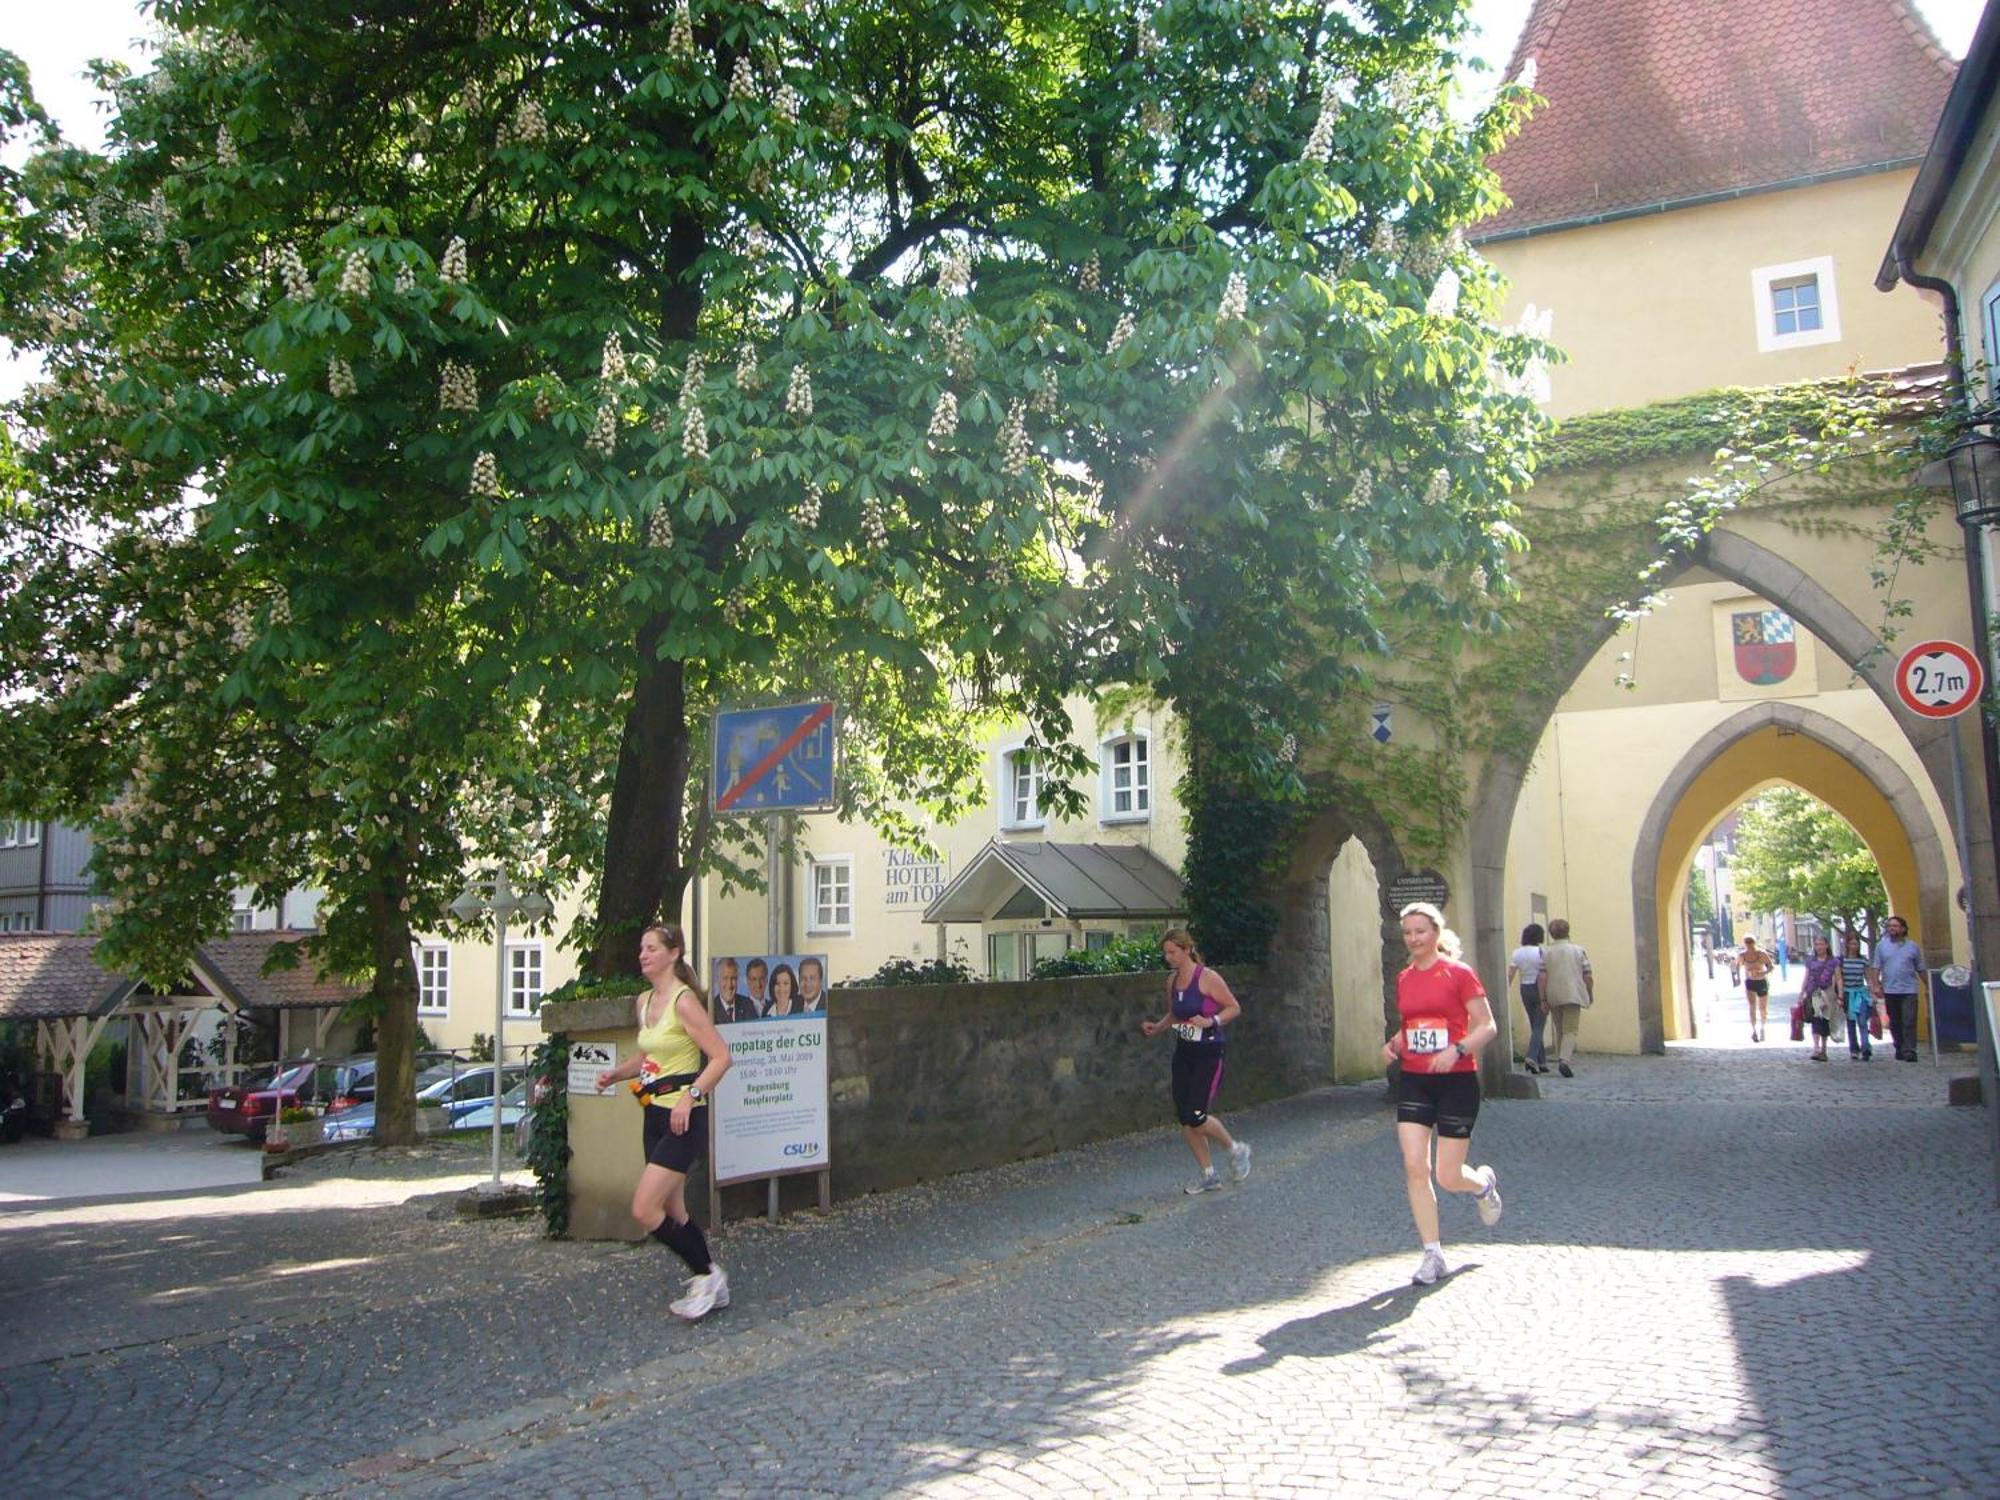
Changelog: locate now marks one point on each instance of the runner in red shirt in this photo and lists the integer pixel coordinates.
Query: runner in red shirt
(1445, 1020)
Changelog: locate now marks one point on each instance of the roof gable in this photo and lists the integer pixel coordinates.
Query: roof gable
(1652, 103)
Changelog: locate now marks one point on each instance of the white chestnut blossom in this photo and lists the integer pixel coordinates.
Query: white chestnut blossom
(694, 434)
(746, 368)
(1363, 493)
(1385, 240)
(453, 267)
(1044, 399)
(1288, 752)
(808, 507)
(355, 279)
(681, 41)
(743, 81)
(406, 279)
(874, 525)
(944, 417)
(1439, 488)
(691, 379)
(458, 388)
(1093, 273)
(225, 148)
(757, 242)
(1319, 145)
(603, 437)
(799, 394)
(1127, 326)
(786, 104)
(660, 529)
(339, 378)
(732, 612)
(486, 476)
(531, 122)
(611, 370)
(1443, 300)
(1014, 450)
(955, 272)
(293, 271)
(1235, 299)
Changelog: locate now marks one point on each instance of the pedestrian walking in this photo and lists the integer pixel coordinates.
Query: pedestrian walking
(1820, 991)
(1567, 990)
(680, 1059)
(1444, 1019)
(1756, 964)
(1856, 990)
(1525, 965)
(1899, 972)
(1199, 1010)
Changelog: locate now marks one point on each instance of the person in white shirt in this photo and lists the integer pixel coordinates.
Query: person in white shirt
(1525, 965)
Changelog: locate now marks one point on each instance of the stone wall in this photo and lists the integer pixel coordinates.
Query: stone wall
(927, 1080)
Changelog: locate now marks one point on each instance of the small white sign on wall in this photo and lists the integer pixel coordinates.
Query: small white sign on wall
(586, 1061)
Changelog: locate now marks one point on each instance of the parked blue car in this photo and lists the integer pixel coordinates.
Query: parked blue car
(455, 1088)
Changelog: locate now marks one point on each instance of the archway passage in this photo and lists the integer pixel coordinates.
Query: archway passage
(1767, 744)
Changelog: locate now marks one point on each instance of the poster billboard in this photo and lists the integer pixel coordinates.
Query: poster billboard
(770, 1114)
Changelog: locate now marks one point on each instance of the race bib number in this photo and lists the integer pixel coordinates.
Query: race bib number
(1426, 1039)
(1187, 1031)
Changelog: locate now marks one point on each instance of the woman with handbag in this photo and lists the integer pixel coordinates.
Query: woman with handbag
(1819, 993)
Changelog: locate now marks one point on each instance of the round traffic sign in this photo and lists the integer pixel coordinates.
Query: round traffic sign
(1939, 679)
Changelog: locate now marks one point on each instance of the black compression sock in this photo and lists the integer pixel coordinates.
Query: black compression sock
(686, 1240)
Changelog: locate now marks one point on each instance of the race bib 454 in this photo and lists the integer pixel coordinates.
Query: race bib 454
(1425, 1039)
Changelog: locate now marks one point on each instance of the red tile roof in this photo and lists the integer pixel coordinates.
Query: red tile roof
(45, 975)
(1654, 102)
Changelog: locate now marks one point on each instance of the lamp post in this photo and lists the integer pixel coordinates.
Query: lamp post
(496, 895)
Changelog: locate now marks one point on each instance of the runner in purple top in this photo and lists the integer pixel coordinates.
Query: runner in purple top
(1199, 1007)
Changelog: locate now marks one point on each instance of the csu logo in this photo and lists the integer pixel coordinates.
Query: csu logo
(802, 1148)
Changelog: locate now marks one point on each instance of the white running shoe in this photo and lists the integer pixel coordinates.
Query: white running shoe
(1429, 1268)
(705, 1294)
(1208, 1182)
(1488, 1202)
(1239, 1162)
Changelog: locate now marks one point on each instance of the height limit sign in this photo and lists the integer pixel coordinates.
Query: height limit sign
(1939, 679)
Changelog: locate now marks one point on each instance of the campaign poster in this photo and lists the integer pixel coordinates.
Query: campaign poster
(770, 1112)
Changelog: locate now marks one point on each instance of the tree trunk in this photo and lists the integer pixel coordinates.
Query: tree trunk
(643, 873)
(395, 989)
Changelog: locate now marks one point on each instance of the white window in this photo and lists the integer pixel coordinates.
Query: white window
(524, 978)
(19, 921)
(19, 833)
(10, 833)
(1020, 789)
(1796, 305)
(434, 981)
(1127, 770)
(1003, 955)
(833, 895)
(243, 919)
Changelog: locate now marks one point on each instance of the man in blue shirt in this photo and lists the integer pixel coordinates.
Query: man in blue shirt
(1899, 969)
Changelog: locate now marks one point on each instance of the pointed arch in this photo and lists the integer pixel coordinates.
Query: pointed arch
(1652, 854)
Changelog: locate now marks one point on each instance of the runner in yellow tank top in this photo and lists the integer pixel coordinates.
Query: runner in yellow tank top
(680, 1059)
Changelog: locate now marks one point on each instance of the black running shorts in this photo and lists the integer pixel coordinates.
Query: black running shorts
(1197, 1075)
(1445, 1102)
(677, 1153)
(1757, 986)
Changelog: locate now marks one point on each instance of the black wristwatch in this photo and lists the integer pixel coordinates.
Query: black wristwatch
(1461, 1049)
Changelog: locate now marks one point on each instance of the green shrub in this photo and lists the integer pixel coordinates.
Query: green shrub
(1138, 954)
(899, 971)
(294, 1115)
(548, 1129)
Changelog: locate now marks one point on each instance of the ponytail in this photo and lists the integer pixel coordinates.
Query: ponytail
(1185, 939)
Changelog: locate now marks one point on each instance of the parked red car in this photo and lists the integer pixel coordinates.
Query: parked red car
(315, 1083)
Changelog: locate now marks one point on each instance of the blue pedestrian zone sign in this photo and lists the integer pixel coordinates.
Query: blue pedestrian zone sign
(773, 759)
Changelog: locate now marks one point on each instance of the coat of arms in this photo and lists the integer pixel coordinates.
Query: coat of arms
(1766, 646)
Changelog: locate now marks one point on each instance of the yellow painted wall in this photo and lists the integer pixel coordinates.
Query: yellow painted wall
(739, 923)
(1662, 305)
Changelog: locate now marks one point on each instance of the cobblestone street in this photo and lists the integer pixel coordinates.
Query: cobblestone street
(1723, 1271)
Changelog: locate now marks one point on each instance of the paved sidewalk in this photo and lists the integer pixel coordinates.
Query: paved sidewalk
(1726, 1271)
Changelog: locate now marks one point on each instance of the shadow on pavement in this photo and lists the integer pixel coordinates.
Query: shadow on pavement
(1342, 1330)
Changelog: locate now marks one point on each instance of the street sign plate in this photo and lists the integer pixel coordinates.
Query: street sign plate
(773, 759)
(1939, 679)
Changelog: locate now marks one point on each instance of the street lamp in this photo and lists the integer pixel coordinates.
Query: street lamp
(500, 898)
(1972, 463)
